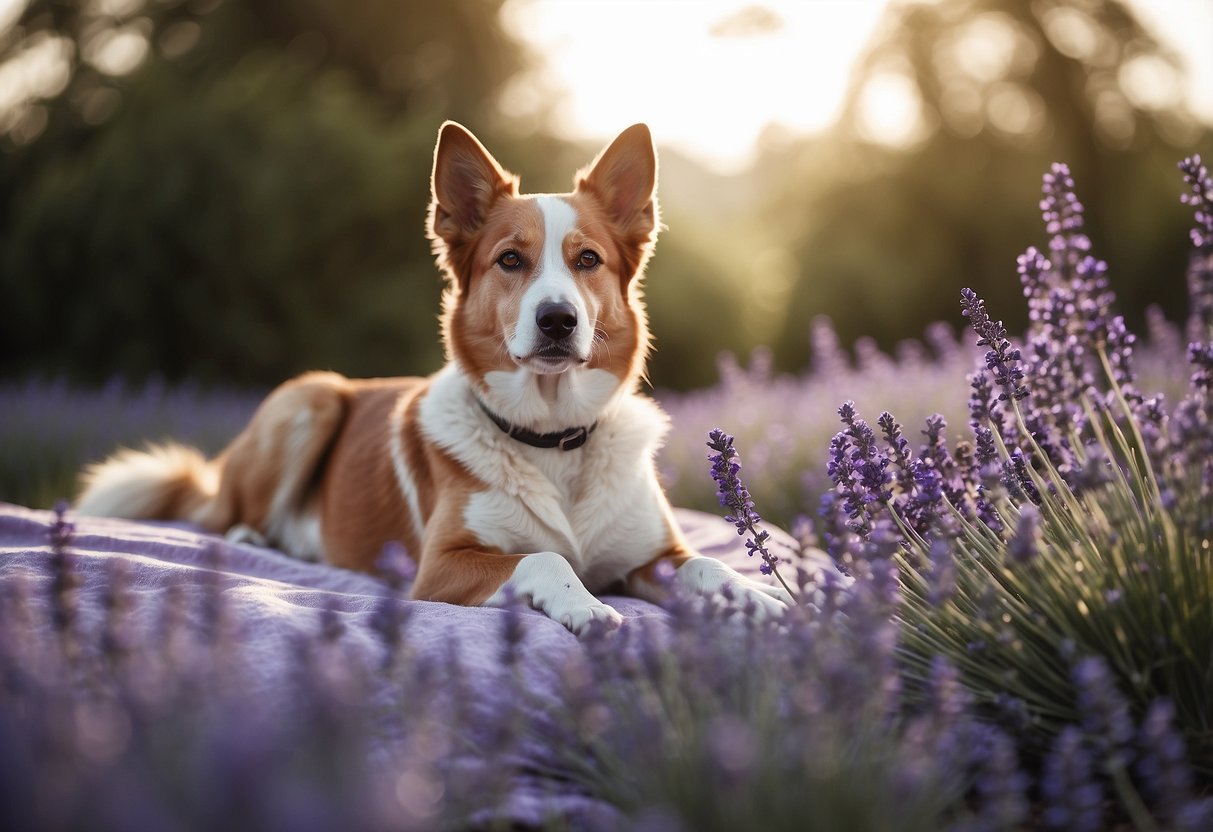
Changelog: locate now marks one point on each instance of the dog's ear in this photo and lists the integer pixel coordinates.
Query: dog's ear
(624, 178)
(466, 181)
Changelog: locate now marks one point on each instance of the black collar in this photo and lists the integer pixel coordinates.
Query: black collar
(565, 440)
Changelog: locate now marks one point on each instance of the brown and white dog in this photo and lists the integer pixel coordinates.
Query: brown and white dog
(526, 462)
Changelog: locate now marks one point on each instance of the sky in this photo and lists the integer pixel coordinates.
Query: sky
(710, 76)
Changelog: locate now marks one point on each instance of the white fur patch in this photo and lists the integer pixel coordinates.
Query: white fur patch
(553, 282)
(404, 479)
(299, 536)
(299, 437)
(547, 581)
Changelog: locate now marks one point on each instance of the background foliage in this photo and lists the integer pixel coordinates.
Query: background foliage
(245, 200)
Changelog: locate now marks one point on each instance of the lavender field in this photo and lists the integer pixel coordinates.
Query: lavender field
(1023, 639)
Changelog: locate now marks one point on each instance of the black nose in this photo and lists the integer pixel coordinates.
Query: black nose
(556, 320)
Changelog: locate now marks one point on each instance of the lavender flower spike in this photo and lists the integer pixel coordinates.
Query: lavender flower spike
(1025, 545)
(1200, 268)
(1196, 177)
(1001, 359)
(734, 496)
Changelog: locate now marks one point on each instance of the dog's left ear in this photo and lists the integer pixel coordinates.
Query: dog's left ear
(624, 178)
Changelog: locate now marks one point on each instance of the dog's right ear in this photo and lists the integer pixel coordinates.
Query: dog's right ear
(465, 183)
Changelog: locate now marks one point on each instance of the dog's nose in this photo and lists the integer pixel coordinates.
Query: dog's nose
(556, 320)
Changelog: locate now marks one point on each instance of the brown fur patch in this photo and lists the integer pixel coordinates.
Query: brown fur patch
(478, 321)
(362, 506)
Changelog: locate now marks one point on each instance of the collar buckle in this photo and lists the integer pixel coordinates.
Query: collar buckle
(574, 438)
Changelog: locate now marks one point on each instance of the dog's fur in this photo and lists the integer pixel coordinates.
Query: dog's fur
(545, 329)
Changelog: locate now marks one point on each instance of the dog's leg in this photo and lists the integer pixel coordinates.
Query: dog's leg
(545, 580)
(269, 467)
(706, 576)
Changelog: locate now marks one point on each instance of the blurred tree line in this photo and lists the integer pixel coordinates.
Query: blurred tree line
(235, 190)
(885, 233)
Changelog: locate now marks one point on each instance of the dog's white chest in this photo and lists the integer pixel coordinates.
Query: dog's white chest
(600, 505)
(601, 509)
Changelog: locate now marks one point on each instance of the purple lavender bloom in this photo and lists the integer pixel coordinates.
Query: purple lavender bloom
(1200, 266)
(1196, 177)
(858, 469)
(1162, 764)
(1120, 356)
(980, 399)
(1001, 359)
(512, 631)
(1026, 542)
(391, 613)
(733, 496)
(331, 625)
(1201, 357)
(949, 698)
(829, 358)
(935, 444)
(1063, 217)
(943, 572)
(1016, 477)
(117, 599)
(1105, 712)
(65, 580)
(928, 496)
(985, 451)
(62, 528)
(928, 485)
(1001, 786)
(870, 464)
(1195, 816)
(395, 566)
(1073, 797)
(986, 512)
(1033, 268)
(1094, 298)
(899, 448)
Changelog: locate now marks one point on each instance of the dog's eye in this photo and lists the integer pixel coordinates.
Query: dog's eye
(588, 259)
(510, 261)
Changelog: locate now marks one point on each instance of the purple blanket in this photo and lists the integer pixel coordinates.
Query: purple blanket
(273, 603)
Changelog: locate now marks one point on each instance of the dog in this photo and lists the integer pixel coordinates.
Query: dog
(524, 468)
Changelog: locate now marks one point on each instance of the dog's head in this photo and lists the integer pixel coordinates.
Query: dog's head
(544, 288)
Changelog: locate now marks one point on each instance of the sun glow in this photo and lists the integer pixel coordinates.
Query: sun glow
(709, 77)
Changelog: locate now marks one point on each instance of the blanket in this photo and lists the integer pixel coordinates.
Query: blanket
(273, 603)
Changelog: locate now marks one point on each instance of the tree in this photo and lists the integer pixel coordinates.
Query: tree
(244, 202)
(943, 193)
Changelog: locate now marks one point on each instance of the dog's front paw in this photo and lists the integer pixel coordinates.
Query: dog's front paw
(720, 582)
(550, 584)
(580, 619)
(765, 601)
(242, 533)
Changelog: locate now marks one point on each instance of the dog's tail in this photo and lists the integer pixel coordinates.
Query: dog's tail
(163, 482)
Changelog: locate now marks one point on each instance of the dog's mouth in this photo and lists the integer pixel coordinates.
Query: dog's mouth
(550, 359)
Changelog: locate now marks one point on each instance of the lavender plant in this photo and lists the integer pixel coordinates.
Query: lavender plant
(711, 721)
(1076, 532)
